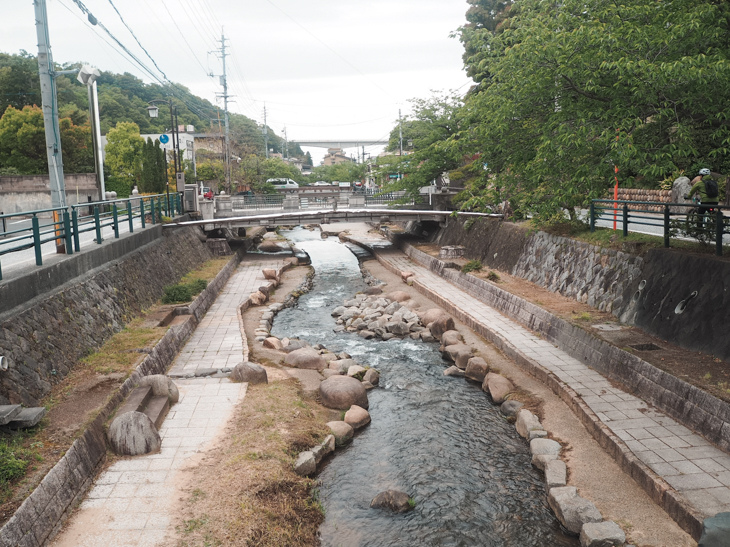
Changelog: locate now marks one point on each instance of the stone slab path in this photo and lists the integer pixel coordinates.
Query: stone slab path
(697, 470)
(217, 342)
(132, 503)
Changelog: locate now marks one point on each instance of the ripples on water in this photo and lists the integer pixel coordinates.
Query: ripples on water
(434, 437)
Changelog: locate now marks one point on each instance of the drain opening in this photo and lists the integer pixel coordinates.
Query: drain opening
(645, 347)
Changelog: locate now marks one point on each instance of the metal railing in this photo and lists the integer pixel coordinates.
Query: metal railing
(68, 223)
(707, 224)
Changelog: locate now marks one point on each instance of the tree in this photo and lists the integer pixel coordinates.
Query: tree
(342, 172)
(433, 128)
(571, 89)
(23, 143)
(124, 153)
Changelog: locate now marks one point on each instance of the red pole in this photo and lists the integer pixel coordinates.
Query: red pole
(615, 188)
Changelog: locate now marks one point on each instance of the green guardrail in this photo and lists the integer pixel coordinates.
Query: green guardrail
(68, 223)
(703, 223)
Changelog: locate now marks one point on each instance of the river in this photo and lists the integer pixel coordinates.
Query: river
(437, 438)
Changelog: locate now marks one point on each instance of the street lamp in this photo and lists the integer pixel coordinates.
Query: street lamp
(87, 76)
(154, 112)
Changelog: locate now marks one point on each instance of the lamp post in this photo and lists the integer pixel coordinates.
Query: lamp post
(154, 113)
(87, 76)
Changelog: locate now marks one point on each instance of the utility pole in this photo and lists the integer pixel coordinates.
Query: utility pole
(50, 107)
(286, 145)
(266, 135)
(224, 82)
(400, 133)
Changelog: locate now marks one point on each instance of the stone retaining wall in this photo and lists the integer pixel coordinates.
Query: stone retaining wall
(639, 290)
(43, 339)
(43, 513)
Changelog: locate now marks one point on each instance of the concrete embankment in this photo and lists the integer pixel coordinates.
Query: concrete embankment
(645, 291)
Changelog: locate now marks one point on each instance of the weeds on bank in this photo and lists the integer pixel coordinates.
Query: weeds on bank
(15, 459)
(118, 354)
(193, 283)
(472, 266)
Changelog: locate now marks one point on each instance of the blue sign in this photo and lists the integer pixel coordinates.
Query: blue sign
(164, 139)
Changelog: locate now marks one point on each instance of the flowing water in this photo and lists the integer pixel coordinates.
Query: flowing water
(437, 438)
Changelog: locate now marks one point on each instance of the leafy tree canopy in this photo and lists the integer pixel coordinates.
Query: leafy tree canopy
(341, 172)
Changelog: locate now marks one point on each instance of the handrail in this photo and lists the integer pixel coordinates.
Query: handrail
(676, 219)
(68, 223)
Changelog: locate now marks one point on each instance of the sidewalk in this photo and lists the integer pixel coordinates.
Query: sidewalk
(696, 470)
(132, 503)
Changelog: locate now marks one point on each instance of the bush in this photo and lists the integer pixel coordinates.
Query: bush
(471, 266)
(183, 292)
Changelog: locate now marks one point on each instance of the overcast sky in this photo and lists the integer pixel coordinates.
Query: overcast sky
(325, 69)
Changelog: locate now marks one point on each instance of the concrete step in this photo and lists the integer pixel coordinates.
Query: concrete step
(8, 413)
(157, 409)
(27, 417)
(137, 400)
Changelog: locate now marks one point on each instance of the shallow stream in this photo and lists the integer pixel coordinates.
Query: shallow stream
(435, 437)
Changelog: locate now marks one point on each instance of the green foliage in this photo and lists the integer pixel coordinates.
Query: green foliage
(183, 292)
(472, 266)
(493, 277)
(567, 91)
(340, 172)
(14, 461)
(124, 152)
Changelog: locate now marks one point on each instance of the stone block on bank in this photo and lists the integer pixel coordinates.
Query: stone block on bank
(459, 354)
(306, 464)
(341, 431)
(399, 296)
(357, 417)
(272, 342)
(526, 422)
(451, 337)
(252, 373)
(430, 315)
(497, 386)
(572, 510)
(440, 325)
(476, 369)
(306, 358)
(540, 461)
(455, 371)
(510, 408)
(556, 473)
(606, 534)
(371, 375)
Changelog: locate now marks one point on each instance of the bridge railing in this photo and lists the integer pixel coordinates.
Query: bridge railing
(677, 220)
(65, 225)
(277, 202)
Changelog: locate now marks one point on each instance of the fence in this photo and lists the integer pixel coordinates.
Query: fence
(706, 224)
(68, 223)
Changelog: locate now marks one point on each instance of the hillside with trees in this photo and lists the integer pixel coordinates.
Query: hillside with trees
(123, 102)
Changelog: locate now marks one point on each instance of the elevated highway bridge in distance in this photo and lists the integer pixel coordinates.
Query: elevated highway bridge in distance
(340, 144)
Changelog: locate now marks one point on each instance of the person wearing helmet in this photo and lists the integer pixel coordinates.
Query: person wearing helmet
(708, 200)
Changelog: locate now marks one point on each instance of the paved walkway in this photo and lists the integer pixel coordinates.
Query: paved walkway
(217, 342)
(132, 503)
(689, 463)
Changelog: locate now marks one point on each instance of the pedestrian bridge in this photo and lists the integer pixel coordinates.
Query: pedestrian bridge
(329, 216)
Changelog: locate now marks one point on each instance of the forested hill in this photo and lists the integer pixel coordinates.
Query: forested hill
(124, 98)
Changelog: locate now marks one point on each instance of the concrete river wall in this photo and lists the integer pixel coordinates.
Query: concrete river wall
(678, 296)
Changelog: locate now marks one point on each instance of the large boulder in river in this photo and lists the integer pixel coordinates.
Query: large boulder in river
(357, 417)
(396, 501)
(341, 392)
(430, 315)
(440, 325)
(451, 337)
(306, 358)
(459, 354)
(269, 247)
(342, 432)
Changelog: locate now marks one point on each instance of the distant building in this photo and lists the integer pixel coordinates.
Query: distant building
(335, 156)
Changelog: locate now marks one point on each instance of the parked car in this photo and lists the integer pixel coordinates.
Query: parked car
(283, 184)
(321, 183)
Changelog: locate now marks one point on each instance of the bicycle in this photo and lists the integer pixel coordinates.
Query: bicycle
(700, 222)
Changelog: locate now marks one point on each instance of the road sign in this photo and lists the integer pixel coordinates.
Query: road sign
(164, 139)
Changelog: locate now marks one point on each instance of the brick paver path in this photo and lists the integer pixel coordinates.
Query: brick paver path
(217, 342)
(131, 504)
(689, 463)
